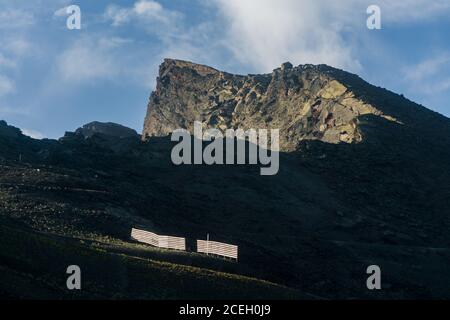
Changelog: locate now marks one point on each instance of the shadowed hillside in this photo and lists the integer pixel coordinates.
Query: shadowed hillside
(342, 200)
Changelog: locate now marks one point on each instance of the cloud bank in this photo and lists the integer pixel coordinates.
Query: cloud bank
(265, 33)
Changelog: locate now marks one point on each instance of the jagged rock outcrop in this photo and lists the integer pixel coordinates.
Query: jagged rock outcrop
(110, 136)
(307, 102)
(108, 129)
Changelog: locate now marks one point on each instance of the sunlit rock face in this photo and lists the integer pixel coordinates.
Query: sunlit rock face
(307, 102)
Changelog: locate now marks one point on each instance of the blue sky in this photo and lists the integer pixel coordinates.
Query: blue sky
(54, 80)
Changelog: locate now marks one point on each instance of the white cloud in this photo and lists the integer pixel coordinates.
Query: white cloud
(145, 7)
(428, 67)
(6, 62)
(429, 76)
(146, 11)
(33, 134)
(265, 33)
(16, 46)
(6, 85)
(117, 15)
(15, 18)
(262, 34)
(86, 60)
(60, 13)
(96, 58)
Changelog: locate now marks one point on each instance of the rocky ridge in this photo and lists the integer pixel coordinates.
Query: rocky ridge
(307, 102)
(107, 129)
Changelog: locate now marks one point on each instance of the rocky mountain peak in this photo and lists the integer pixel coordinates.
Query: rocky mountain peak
(108, 129)
(307, 102)
(170, 64)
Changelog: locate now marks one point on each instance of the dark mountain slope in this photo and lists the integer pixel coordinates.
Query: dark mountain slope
(334, 208)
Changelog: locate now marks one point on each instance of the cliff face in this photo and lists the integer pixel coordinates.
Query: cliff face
(306, 102)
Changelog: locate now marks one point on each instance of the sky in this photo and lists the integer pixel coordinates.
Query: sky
(53, 79)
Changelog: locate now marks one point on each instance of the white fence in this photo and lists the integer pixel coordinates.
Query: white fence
(217, 248)
(176, 243)
(156, 240)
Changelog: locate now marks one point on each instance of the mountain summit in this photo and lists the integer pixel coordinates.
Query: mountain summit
(307, 102)
(107, 129)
